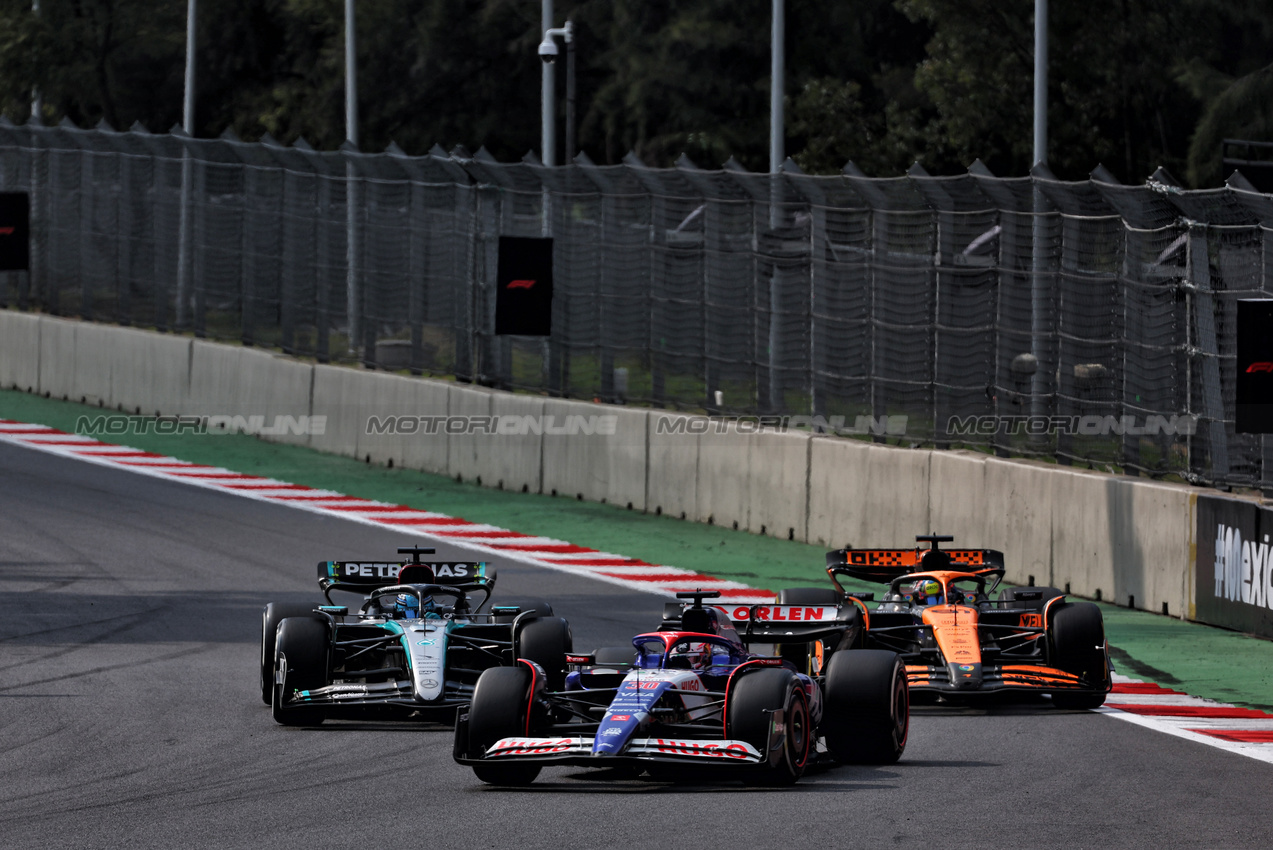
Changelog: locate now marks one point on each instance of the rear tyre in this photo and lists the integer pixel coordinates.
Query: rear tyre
(546, 642)
(1077, 638)
(754, 699)
(500, 709)
(867, 715)
(271, 616)
(1008, 595)
(301, 652)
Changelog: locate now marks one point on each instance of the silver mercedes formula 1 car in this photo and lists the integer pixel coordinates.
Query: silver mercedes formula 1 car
(413, 650)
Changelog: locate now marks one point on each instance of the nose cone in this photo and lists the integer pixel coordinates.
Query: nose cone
(965, 677)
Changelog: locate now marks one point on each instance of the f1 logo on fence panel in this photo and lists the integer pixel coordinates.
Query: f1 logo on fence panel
(1254, 378)
(524, 287)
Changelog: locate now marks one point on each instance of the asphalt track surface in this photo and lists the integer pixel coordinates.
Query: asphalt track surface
(130, 716)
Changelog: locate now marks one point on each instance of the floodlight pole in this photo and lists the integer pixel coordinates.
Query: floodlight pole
(37, 106)
(185, 244)
(1041, 81)
(777, 86)
(353, 312)
(187, 109)
(351, 75)
(567, 34)
(1038, 288)
(571, 141)
(776, 156)
(548, 141)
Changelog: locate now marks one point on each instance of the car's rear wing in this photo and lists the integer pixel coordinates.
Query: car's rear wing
(364, 576)
(772, 623)
(884, 565)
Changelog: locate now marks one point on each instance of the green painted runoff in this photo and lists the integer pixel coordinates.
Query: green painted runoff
(1201, 660)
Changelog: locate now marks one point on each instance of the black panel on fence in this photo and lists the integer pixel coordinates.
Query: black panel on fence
(1255, 367)
(15, 231)
(524, 287)
(1233, 571)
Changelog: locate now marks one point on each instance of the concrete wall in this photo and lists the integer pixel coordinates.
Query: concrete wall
(671, 485)
(335, 396)
(19, 350)
(778, 484)
(1120, 537)
(723, 491)
(149, 371)
(464, 451)
(866, 495)
(513, 459)
(596, 451)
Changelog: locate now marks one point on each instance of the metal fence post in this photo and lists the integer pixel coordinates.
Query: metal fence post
(1208, 351)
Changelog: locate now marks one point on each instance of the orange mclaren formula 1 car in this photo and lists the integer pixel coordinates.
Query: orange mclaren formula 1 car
(955, 639)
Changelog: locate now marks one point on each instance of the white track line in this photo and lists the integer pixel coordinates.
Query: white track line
(1244, 731)
(494, 543)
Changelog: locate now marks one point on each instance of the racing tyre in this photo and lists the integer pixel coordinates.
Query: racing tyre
(1077, 636)
(867, 714)
(301, 652)
(500, 709)
(271, 616)
(1008, 595)
(546, 642)
(754, 699)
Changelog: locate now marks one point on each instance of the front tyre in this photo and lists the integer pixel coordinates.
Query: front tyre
(301, 657)
(758, 699)
(501, 709)
(1077, 637)
(867, 714)
(271, 616)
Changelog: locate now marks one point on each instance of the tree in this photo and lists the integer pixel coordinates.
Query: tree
(118, 60)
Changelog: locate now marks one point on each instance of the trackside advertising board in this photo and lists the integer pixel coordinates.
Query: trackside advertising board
(1234, 568)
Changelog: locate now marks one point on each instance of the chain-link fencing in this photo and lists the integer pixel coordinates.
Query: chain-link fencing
(1089, 322)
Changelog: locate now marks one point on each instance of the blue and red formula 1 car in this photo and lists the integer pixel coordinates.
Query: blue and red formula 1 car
(690, 692)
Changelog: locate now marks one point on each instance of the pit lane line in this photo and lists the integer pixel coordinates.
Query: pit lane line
(1133, 701)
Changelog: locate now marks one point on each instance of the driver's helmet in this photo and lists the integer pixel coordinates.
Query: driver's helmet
(690, 656)
(405, 606)
(927, 591)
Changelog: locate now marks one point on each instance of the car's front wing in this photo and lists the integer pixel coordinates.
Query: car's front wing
(1000, 677)
(394, 698)
(577, 750)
